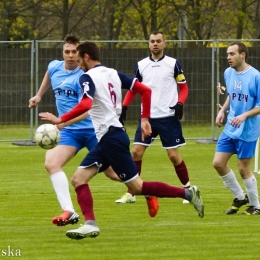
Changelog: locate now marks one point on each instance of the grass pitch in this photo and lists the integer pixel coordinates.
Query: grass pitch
(28, 204)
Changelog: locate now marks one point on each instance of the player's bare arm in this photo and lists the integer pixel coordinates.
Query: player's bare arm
(238, 120)
(80, 109)
(146, 128)
(221, 89)
(46, 83)
(73, 121)
(46, 116)
(221, 114)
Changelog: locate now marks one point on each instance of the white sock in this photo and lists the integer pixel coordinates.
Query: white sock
(230, 181)
(61, 186)
(187, 185)
(251, 190)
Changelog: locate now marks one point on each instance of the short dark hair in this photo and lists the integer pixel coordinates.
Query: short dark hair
(241, 48)
(156, 32)
(71, 38)
(89, 48)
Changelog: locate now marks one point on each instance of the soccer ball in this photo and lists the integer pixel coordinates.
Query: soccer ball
(47, 136)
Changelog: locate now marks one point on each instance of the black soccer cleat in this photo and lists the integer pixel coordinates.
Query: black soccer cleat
(251, 210)
(237, 204)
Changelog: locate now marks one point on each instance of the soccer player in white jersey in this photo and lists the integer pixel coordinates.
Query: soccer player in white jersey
(164, 75)
(241, 131)
(101, 88)
(63, 77)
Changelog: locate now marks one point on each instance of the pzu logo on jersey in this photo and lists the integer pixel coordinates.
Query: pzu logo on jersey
(66, 92)
(239, 96)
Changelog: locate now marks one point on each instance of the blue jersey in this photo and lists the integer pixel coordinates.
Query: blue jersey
(67, 91)
(244, 93)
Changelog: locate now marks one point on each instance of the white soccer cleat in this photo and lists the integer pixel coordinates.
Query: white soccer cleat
(197, 200)
(126, 198)
(185, 202)
(84, 231)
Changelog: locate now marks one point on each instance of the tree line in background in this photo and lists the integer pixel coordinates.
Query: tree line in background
(129, 19)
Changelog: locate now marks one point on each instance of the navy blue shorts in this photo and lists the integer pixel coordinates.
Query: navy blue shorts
(113, 150)
(168, 128)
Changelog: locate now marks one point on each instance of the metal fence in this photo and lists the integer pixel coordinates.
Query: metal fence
(24, 63)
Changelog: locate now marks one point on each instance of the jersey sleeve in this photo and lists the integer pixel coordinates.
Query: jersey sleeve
(258, 90)
(127, 82)
(137, 73)
(52, 66)
(225, 80)
(87, 86)
(178, 73)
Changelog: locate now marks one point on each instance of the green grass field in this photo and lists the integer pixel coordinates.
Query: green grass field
(28, 204)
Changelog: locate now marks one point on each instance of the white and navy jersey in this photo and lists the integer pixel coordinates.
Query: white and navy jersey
(103, 85)
(162, 77)
(244, 94)
(67, 91)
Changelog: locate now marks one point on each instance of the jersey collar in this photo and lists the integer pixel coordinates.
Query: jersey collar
(245, 70)
(157, 60)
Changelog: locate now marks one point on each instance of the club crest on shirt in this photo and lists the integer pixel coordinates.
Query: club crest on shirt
(63, 81)
(86, 86)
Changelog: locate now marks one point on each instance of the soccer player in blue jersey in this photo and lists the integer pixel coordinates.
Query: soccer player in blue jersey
(164, 75)
(63, 77)
(102, 97)
(241, 131)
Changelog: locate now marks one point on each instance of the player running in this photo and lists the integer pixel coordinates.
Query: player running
(63, 77)
(101, 88)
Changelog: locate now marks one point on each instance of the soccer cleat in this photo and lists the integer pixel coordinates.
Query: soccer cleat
(153, 205)
(196, 200)
(126, 198)
(236, 205)
(66, 218)
(84, 231)
(251, 210)
(185, 202)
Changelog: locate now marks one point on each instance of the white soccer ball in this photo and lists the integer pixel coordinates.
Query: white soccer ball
(47, 136)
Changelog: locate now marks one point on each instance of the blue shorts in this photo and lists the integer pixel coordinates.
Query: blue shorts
(243, 149)
(168, 128)
(113, 150)
(79, 138)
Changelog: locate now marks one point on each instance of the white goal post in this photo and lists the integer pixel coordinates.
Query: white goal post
(256, 169)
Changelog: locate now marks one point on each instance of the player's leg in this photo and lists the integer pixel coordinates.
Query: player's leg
(56, 158)
(123, 164)
(224, 150)
(71, 142)
(85, 201)
(245, 155)
(137, 154)
(88, 168)
(109, 172)
(163, 190)
(180, 168)
(171, 136)
(90, 141)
